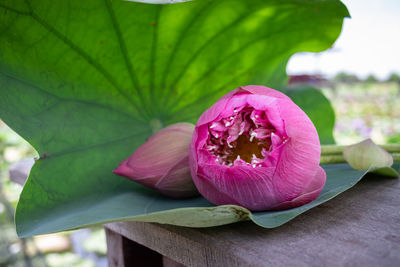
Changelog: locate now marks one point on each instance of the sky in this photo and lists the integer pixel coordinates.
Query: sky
(369, 43)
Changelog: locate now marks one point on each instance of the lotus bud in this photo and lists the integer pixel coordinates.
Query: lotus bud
(366, 154)
(162, 162)
(256, 148)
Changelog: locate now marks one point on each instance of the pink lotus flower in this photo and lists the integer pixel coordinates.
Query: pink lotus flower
(162, 162)
(256, 148)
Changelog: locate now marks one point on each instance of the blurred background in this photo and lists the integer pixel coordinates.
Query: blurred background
(86, 247)
(360, 75)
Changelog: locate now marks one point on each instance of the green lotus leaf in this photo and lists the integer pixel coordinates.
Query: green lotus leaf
(86, 82)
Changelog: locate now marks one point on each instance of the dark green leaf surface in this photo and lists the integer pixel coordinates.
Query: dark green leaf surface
(86, 82)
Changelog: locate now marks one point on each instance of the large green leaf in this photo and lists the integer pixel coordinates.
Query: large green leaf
(86, 82)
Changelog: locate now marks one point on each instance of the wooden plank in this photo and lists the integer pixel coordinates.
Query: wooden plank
(115, 251)
(360, 227)
(122, 252)
(19, 171)
(167, 262)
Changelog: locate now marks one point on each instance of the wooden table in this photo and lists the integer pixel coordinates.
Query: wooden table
(360, 227)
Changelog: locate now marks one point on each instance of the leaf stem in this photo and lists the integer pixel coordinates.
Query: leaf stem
(331, 149)
(331, 159)
(337, 158)
(334, 149)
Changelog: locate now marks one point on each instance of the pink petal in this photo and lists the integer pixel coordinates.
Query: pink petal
(210, 191)
(177, 182)
(161, 151)
(214, 111)
(300, 155)
(249, 187)
(311, 192)
(125, 170)
(262, 133)
(217, 126)
(162, 162)
(235, 131)
(262, 90)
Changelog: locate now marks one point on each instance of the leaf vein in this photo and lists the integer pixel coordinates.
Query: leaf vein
(153, 57)
(70, 99)
(78, 50)
(187, 106)
(201, 49)
(124, 51)
(179, 42)
(76, 150)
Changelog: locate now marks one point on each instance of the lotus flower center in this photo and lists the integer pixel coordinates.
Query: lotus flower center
(245, 149)
(245, 138)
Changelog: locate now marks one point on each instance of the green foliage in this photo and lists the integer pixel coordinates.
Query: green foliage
(85, 82)
(395, 139)
(344, 77)
(371, 79)
(394, 77)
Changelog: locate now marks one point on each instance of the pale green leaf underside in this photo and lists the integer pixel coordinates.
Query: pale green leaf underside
(386, 171)
(81, 80)
(196, 212)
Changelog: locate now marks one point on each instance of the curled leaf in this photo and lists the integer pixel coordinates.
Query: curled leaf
(367, 155)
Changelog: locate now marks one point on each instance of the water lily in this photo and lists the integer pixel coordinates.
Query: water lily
(162, 162)
(256, 148)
